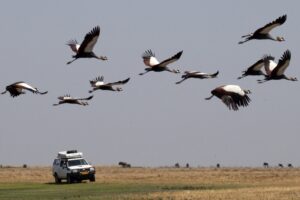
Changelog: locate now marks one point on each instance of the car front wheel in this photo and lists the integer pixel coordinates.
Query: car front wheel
(69, 179)
(57, 180)
(92, 178)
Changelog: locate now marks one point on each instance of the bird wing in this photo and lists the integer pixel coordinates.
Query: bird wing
(171, 60)
(87, 98)
(283, 63)
(97, 81)
(73, 44)
(90, 40)
(214, 74)
(65, 97)
(119, 82)
(229, 102)
(192, 72)
(25, 86)
(14, 91)
(235, 100)
(257, 66)
(268, 27)
(149, 58)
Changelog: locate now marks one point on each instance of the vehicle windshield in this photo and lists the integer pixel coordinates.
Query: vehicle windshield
(77, 162)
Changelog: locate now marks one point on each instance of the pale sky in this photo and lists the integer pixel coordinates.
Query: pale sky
(153, 121)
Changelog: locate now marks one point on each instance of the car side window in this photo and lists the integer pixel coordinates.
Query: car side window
(56, 162)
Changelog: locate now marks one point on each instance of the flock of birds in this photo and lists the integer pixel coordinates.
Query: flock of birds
(233, 96)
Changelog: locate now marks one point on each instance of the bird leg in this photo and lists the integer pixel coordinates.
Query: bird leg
(71, 61)
(60, 102)
(208, 98)
(181, 81)
(262, 81)
(241, 76)
(246, 40)
(248, 35)
(144, 72)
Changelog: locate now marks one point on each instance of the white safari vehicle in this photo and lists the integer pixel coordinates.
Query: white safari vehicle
(71, 166)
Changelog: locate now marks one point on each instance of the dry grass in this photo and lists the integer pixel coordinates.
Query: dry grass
(195, 183)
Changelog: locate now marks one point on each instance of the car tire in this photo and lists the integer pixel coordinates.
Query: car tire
(92, 178)
(69, 179)
(57, 180)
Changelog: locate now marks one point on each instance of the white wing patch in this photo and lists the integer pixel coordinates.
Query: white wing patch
(191, 72)
(270, 66)
(73, 44)
(200, 73)
(67, 98)
(99, 83)
(153, 61)
(234, 88)
(26, 86)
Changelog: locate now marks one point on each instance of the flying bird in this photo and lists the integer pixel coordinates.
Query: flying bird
(197, 74)
(156, 66)
(85, 49)
(71, 100)
(278, 72)
(255, 69)
(18, 88)
(263, 32)
(233, 96)
(98, 84)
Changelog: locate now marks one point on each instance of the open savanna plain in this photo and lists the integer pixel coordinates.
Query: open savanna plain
(155, 183)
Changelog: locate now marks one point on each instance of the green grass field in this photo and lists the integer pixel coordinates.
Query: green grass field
(155, 183)
(34, 191)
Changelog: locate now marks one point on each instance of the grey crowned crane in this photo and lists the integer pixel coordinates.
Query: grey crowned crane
(85, 49)
(233, 96)
(255, 69)
(197, 74)
(156, 66)
(71, 100)
(98, 84)
(263, 32)
(18, 88)
(278, 72)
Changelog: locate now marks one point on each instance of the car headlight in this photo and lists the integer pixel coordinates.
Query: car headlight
(92, 169)
(75, 171)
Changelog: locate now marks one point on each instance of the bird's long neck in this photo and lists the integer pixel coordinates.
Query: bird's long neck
(100, 57)
(278, 38)
(270, 37)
